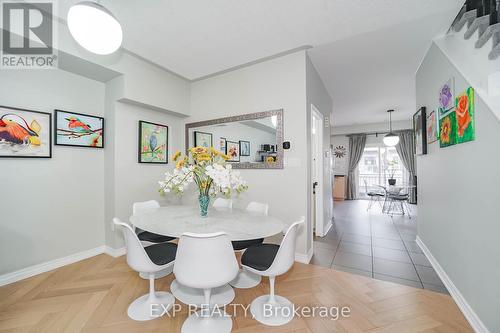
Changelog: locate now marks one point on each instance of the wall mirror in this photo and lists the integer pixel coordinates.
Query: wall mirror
(252, 141)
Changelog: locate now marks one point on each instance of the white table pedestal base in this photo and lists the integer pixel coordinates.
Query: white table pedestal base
(245, 279)
(282, 310)
(221, 296)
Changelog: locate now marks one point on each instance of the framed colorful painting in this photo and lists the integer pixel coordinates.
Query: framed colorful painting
(222, 144)
(202, 139)
(432, 127)
(233, 151)
(419, 130)
(458, 126)
(464, 109)
(79, 130)
(244, 148)
(153, 143)
(25, 133)
(446, 97)
(448, 130)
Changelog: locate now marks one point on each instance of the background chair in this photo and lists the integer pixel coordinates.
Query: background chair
(148, 238)
(400, 199)
(272, 260)
(206, 262)
(222, 204)
(149, 260)
(246, 279)
(374, 196)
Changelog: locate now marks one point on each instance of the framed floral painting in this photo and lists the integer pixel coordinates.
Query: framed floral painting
(79, 130)
(153, 143)
(464, 109)
(432, 127)
(446, 97)
(25, 133)
(458, 126)
(233, 151)
(420, 131)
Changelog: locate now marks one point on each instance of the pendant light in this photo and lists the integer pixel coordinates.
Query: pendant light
(391, 139)
(95, 28)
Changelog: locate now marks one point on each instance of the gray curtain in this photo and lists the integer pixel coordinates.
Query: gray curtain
(406, 152)
(356, 147)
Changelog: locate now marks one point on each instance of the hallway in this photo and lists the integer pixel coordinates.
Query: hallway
(375, 245)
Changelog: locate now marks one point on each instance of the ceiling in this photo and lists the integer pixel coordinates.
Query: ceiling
(370, 73)
(196, 38)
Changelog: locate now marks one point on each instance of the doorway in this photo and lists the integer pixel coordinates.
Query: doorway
(317, 208)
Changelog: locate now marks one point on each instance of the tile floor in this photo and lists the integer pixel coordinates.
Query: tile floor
(375, 245)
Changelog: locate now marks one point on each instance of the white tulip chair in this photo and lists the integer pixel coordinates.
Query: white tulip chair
(272, 260)
(149, 260)
(206, 262)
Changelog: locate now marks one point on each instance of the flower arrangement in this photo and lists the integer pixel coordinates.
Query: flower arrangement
(392, 167)
(209, 170)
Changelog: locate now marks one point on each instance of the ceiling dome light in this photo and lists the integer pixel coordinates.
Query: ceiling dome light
(95, 28)
(391, 139)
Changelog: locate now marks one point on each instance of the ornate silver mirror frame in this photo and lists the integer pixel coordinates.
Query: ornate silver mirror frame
(251, 116)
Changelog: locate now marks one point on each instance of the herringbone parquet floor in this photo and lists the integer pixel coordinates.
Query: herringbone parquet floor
(93, 296)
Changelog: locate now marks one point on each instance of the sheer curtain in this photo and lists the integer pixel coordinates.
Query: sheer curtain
(356, 147)
(406, 152)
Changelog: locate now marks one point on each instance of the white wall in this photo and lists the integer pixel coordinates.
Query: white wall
(341, 165)
(51, 208)
(275, 84)
(135, 181)
(458, 197)
(372, 127)
(317, 95)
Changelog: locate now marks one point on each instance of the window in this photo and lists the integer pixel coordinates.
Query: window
(377, 165)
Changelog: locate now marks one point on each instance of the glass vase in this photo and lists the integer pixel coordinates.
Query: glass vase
(204, 201)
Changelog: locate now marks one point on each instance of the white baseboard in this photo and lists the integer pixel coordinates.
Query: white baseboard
(470, 315)
(304, 258)
(329, 226)
(49, 265)
(114, 252)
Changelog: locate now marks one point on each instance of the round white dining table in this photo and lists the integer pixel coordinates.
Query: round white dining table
(176, 220)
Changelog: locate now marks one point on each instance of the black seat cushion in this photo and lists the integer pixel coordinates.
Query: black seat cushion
(162, 253)
(375, 194)
(147, 236)
(399, 197)
(260, 257)
(241, 245)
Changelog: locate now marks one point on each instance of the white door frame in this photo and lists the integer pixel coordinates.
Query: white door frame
(317, 171)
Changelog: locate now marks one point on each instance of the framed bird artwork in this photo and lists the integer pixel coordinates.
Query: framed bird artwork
(25, 133)
(153, 143)
(78, 130)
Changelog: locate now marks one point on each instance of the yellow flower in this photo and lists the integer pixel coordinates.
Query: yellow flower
(176, 155)
(270, 159)
(225, 156)
(214, 151)
(180, 164)
(203, 157)
(199, 150)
